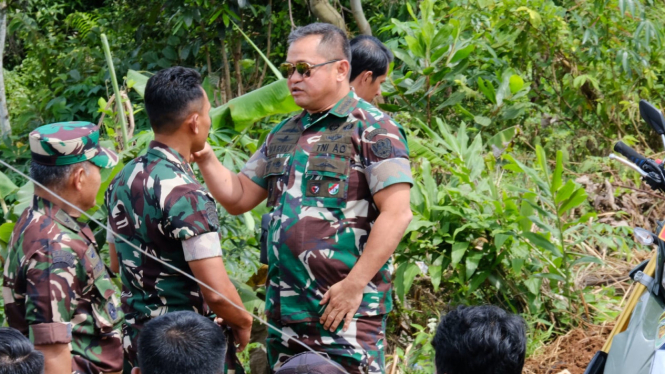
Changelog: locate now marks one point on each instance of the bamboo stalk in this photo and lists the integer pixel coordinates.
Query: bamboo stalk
(393, 368)
(116, 91)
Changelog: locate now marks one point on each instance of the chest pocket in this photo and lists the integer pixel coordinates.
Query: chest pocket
(326, 181)
(277, 174)
(105, 307)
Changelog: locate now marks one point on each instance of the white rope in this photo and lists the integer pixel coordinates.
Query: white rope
(284, 335)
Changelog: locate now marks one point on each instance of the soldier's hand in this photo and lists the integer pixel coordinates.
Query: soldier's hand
(241, 337)
(203, 155)
(343, 302)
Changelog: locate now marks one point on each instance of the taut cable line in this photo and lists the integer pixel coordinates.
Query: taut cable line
(283, 334)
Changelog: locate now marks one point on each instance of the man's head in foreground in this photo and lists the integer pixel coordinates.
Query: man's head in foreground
(317, 66)
(310, 362)
(480, 340)
(181, 342)
(370, 60)
(17, 355)
(178, 107)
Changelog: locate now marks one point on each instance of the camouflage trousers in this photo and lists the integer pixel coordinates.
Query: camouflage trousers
(359, 350)
(130, 338)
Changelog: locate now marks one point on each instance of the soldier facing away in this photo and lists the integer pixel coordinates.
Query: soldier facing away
(56, 288)
(370, 61)
(157, 204)
(337, 178)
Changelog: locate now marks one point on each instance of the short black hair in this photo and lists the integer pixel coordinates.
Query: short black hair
(181, 342)
(17, 354)
(480, 340)
(368, 53)
(51, 176)
(334, 43)
(168, 95)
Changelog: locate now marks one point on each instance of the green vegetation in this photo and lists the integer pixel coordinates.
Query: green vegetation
(505, 103)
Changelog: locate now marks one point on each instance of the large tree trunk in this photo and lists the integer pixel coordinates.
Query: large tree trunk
(359, 15)
(5, 127)
(326, 13)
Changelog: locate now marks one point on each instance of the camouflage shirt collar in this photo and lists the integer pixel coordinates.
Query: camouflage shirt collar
(53, 211)
(342, 109)
(162, 150)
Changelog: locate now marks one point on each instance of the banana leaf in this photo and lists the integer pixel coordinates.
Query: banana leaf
(242, 111)
(7, 187)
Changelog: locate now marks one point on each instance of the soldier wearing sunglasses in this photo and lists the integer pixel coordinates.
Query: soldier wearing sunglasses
(336, 177)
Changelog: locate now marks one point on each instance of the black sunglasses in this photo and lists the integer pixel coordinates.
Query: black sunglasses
(303, 68)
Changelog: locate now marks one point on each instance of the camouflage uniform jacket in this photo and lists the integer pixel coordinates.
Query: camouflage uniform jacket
(155, 202)
(58, 291)
(321, 174)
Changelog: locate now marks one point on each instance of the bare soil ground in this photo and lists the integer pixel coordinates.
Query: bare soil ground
(569, 353)
(634, 206)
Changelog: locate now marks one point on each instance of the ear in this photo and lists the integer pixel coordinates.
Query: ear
(367, 76)
(136, 370)
(193, 122)
(78, 178)
(343, 70)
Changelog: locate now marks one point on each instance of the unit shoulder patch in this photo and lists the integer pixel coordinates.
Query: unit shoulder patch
(383, 148)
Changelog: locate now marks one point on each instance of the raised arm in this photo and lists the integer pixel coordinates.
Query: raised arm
(235, 192)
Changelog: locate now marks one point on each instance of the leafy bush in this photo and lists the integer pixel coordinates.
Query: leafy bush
(492, 229)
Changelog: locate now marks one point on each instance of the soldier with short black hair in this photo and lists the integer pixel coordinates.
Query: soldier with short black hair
(370, 62)
(56, 288)
(156, 203)
(337, 179)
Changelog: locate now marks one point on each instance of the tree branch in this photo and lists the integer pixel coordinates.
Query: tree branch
(359, 15)
(227, 73)
(265, 64)
(5, 126)
(293, 25)
(326, 13)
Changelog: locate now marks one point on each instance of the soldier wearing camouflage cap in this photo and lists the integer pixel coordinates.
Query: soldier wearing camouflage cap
(337, 177)
(56, 288)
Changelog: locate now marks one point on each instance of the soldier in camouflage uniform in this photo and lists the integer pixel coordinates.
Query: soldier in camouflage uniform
(337, 178)
(56, 288)
(157, 204)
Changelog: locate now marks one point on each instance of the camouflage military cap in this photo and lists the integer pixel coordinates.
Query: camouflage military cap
(66, 143)
(309, 362)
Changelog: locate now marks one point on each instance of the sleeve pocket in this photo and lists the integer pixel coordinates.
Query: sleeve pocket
(106, 311)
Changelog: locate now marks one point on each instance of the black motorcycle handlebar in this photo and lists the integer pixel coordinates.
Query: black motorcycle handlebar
(629, 153)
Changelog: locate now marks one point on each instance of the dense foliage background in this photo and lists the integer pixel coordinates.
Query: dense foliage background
(509, 107)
